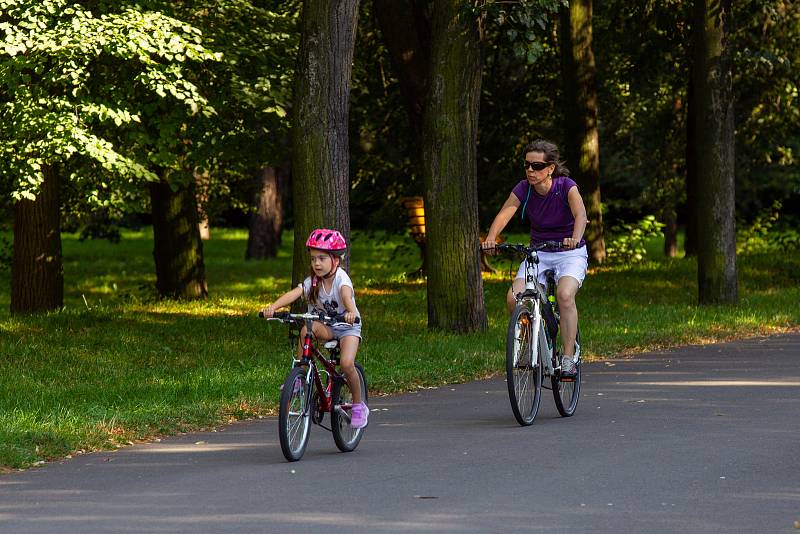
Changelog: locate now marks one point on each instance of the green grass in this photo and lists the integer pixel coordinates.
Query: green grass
(117, 365)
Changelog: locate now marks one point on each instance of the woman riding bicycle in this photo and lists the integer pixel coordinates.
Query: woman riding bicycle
(329, 290)
(555, 210)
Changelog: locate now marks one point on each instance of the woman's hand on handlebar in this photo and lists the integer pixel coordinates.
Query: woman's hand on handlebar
(571, 243)
(267, 312)
(489, 246)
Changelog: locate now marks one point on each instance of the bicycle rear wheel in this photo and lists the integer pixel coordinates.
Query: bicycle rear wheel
(345, 436)
(523, 367)
(566, 393)
(294, 417)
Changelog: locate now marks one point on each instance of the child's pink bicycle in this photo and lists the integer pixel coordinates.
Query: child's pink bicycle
(313, 388)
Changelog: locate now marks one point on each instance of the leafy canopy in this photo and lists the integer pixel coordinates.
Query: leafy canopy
(71, 79)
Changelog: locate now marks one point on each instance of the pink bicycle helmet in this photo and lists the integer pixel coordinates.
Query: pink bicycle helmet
(327, 240)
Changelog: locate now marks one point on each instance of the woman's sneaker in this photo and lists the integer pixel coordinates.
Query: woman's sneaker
(569, 365)
(569, 368)
(359, 415)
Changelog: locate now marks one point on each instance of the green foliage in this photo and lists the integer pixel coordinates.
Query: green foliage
(643, 52)
(763, 235)
(382, 145)
(520, 25)
(767, 60)
(6, 252)
(519, 103)
(249, 88)
(71, 80)
(627, 242)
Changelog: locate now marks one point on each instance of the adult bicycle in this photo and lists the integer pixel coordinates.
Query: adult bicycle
(533, 349)
(315, 387)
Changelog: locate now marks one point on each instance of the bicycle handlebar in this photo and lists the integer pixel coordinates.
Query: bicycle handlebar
(287, 317)
(534, 247)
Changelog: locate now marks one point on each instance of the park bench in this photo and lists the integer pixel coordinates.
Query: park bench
(415, 213)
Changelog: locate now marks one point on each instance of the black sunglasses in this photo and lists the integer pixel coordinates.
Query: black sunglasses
(536, 165)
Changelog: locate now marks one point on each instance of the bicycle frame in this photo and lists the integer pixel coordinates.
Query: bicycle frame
(532, 350)
(534, 297)
(311, 356)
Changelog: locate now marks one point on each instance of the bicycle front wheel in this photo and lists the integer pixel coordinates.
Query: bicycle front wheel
(345, 436)
(566, 392)
(523, 367)
(294, 417)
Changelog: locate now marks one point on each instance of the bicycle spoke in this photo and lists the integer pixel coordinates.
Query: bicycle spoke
(294, 418)
(345, 436)
(523, 373)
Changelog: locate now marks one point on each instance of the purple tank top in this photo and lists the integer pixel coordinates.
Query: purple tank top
(550, 215)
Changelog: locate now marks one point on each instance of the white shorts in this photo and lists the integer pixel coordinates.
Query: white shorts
(567, 263)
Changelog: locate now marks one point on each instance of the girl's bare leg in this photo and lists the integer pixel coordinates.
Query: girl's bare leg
(321, 332)
(348, 346)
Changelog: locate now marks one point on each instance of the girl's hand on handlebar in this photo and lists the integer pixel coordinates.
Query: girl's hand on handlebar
(267, 312)
(350, 317)
(571, 243)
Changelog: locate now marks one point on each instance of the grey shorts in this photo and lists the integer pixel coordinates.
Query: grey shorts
(341, 330)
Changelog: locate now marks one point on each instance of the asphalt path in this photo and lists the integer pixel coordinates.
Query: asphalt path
(696, 439)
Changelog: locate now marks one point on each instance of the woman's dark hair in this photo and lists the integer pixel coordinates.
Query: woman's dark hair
(551, 155)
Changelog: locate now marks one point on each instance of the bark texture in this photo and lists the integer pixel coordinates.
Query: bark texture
(177, 247)
(580, 93)
(450, 125)
(37, 274)
(690, 241)
(320, 146)
(266, 224)
(714, 133)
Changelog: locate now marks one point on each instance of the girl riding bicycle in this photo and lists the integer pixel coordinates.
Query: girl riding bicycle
(555, 210)
(329, 290)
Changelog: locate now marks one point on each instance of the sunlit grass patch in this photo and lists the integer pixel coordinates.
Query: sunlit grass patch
(118, 365)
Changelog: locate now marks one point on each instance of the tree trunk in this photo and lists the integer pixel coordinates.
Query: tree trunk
(405, 25)
(177, 247)
(203, 182)
(714, 131)
(37, 272)
(266, 224)
(670, 233)
(450, 129)
(690, 239)
(580, 92)
(320, 146)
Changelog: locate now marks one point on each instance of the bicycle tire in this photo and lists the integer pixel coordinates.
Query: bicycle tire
(345, 436)
(523, 377)
(294, 417)
(567, 393)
